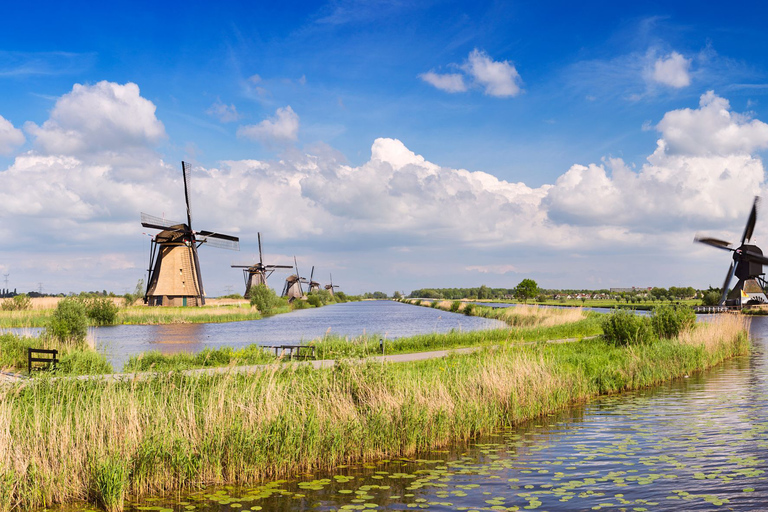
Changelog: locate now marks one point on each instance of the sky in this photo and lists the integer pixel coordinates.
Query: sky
(396, 145)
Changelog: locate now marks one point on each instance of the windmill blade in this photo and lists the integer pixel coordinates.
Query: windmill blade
(199, 276)
(213, 234)
(261, 259)
(727, 282)
(278, 266)
(219, 242)
(150, 221)
(186, 171)
(312, 274)
(298, 276)
(754, 257)
(714, 242)
(331, 280)
(750, 227)
(241, 266)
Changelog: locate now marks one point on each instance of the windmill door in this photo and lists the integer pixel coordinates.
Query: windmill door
(184, 302)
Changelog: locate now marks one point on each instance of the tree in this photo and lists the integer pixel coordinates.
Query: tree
(483, 293)
(527, 289)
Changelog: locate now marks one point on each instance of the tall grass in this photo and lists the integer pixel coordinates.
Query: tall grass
(63, 440)
(517, 316)
(76, 359)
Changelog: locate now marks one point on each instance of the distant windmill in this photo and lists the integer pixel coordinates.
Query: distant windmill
(258, 273)
(747, 265)
(313, 285)
(292, 288)
(174, 269)
(331, 286)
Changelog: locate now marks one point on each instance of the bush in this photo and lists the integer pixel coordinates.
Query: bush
(17, 303)
(669, 321)
(455, 305)
(101, 310)
(69, 322)
(299, 304)
(710, 298)
(469, 309)
(263, 298)
(340, 296)
(314, 300)
(624, 327)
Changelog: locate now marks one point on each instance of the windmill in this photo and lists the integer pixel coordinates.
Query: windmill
(174, 270)
(292, 288)
(313, 285)
(747, 265)
(258, 273)
(331, 286)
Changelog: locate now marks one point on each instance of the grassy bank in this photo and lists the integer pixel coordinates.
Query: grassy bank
(74, 359)
(587, 303)
(67, 440)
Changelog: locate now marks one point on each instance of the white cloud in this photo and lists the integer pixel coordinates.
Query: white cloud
(672, 70)
(101, 117)
(448, 82)
(283, 127)
(499, 78)
(702, 170)
(223, 112)
(10, 137)
(492, 269)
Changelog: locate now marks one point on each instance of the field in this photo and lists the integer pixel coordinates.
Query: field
(68, 440)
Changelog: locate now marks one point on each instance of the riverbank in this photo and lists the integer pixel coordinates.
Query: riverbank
(645, 305)
(67, 440)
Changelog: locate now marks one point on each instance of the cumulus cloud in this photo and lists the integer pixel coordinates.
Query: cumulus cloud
(105, 116)
(497, 78)
(672, 70)
(283, 127)
(448, 82)
(223, 112)
(10, 137)
(702, 169)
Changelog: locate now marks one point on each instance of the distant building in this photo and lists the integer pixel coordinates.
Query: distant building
(634, 289)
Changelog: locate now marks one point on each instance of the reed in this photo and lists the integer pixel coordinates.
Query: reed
(64, 440)
(517, 316)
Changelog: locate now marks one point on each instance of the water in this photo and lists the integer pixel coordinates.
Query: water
(387, 319)
(699, 443)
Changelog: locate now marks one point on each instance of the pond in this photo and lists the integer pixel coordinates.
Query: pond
(387, 319)
(699, 443)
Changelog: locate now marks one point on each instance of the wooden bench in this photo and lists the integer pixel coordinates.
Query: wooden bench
(50, 362)
(301, 351)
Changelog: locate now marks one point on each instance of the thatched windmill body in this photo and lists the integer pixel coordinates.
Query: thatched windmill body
(331, 286)
(292, 289)
(258, 273)
(174, 277)
(747, 265)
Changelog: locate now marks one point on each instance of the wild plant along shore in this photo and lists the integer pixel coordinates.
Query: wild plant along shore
(64, 440)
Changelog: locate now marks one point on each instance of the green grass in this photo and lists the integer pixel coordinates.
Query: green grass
(73, 359)
(68, 439)
(206, 358)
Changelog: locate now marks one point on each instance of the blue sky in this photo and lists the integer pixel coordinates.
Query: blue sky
(398, 145)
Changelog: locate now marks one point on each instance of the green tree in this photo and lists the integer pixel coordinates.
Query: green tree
(263, 298)
(527, 289)
(69, 322)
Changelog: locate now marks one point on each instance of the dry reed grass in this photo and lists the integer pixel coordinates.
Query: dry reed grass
(541, 316)
(712, 333)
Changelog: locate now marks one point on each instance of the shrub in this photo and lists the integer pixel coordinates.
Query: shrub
(626, 328)
(17, 303)
(669, 321)
(69, 322)
(417, 302)
(455, 305)
(299, 304)
(101, 310)
(469, 309)
(314, 300)
(263, 298)
(710, 298)
(340, 296)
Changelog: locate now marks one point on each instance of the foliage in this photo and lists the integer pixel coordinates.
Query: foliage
(669, 321)
(19, 302)
(101, 310)
(72, 360)
(138, 293)
(299, 304)
(711, 298)
(83, 362)
(526, 289)
(110, 482)
(264, 298)
(455, 305)
(206, 358)
(375, 295)
(69, 322)
(340, 296)
(624, 327)
(314, 300)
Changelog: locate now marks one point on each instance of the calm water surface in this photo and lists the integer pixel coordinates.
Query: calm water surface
(382, 318)
(695, 444)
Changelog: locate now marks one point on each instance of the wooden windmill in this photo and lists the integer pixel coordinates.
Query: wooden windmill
(292, 288)
(258, 273)
(331, 286)
(313, 285)
(174, 268)
(747, 265)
